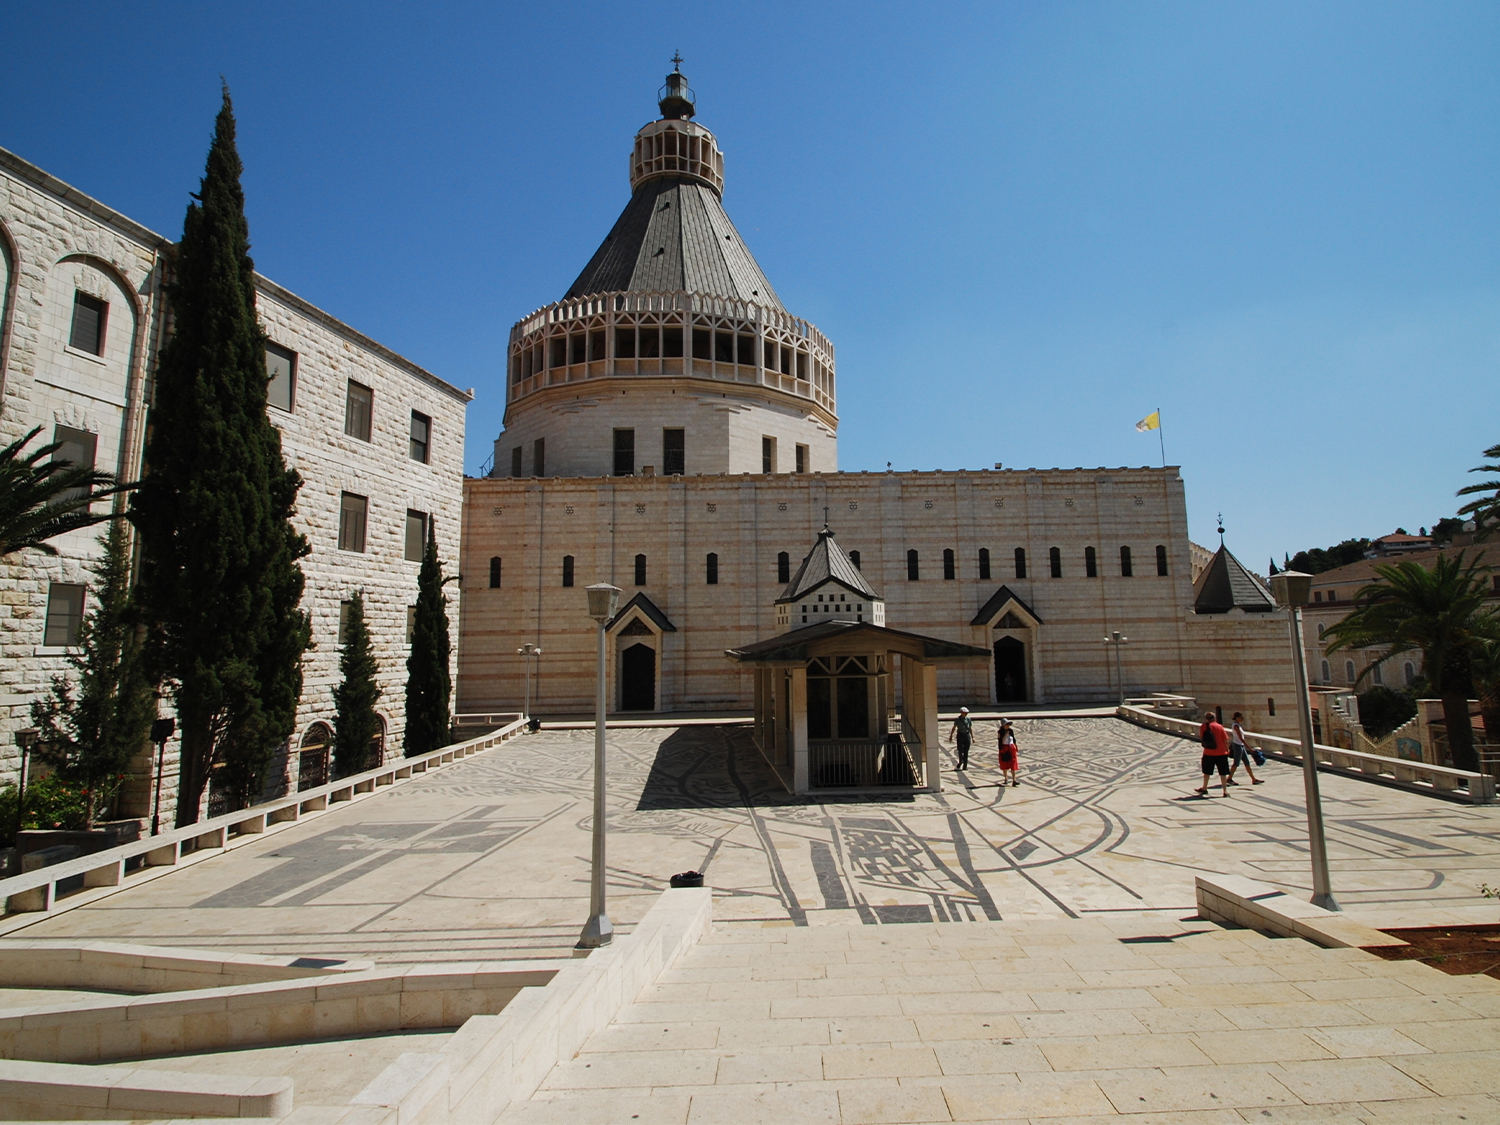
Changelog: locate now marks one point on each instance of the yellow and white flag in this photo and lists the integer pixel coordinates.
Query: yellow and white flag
(1151, 421)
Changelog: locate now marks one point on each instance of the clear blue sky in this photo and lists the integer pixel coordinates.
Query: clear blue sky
(1024, 226)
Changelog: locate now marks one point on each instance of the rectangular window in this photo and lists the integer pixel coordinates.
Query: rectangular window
(723, 347)
(768, 455)
(701, 337)
(673, 452)
(416, 535)
(624, 453)
(421, 436)
(596, 344)
(913, 567)
(783, 567)
(539, 457)
(78, 448)
(624, 343)
(771, 347)
(1090, 563)
(558, 352)
(411, 623)
(1161, 561)
(1020, 562)
(578, 344)
(281, 371)
(64, 614)
(358, 410)
(90, 316)
(353, 512)
(515, 461)
(345, 608)
(950, 570)
(495, 572)
(984, 564)
(1054, 557)
(711, 569)
(1127, 567)
(671, 343)
(802, 458)
(747, 350)
(567, 575)
(640, 570)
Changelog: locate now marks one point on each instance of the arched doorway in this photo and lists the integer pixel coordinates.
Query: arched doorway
(638, 678)
(312, 760)
(1010, 670)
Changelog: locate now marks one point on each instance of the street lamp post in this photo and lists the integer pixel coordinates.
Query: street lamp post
(25, 739)
(597, 931)
(1118, 640)
(161, 730)
(1292, 590)
(528, 653)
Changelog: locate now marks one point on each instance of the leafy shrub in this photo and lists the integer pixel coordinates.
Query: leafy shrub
(1382, 710)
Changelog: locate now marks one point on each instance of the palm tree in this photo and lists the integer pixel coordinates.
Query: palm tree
(1485, 510)
(1440, 613)
(41, 499)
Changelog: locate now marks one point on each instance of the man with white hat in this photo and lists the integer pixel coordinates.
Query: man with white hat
(963, 735)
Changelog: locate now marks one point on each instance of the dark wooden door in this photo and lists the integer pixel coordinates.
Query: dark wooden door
(638, 678)
(1010, 670)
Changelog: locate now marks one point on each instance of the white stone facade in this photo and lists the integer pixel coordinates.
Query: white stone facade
(748, 521)
(55, 243)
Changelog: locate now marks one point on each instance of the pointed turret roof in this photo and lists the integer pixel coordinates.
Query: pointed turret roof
(1225, 584)
(674, 235)
(824, 563)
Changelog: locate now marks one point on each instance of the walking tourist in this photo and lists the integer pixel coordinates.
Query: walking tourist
(1239, 753)
(1009, 752)
(1215, 740)
(963, 736)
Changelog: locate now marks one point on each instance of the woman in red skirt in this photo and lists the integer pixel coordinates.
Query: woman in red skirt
(1009, 753)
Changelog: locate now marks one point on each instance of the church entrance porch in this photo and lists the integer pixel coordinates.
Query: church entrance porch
(826, 712)
(1010, 670)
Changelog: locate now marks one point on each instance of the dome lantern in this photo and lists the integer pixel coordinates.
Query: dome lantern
(676, 98)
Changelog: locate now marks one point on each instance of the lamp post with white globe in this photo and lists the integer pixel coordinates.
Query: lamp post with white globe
(597, 931)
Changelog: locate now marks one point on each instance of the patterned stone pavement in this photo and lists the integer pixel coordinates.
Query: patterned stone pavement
(490, 856)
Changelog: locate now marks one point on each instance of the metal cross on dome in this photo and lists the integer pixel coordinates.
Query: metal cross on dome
(677, 60)
(825, 515)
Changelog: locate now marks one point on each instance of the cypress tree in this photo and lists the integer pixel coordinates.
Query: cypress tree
(355, 723)
(427, 682)
(90, 734)
(220, 579)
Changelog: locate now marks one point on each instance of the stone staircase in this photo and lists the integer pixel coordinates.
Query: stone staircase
(1134, 1015)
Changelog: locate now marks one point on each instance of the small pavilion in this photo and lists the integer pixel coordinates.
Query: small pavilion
(827, 716)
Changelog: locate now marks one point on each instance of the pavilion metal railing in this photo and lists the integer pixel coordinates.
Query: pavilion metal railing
(860, 763)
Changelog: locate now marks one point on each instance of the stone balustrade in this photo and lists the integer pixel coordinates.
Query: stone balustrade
(1418, 777)
(46, 890)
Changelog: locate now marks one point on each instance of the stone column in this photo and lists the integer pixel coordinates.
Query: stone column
(797, 705)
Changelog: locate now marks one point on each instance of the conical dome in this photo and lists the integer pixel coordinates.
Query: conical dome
(674, 235)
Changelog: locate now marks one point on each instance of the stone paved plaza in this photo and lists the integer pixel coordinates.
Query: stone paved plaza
(489, 857)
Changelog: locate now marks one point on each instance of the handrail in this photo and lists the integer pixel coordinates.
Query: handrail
(1417, 776)
(108, 868)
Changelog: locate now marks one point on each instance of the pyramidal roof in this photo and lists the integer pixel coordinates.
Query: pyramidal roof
(826, 562)
(1225, 584)
(674, 235)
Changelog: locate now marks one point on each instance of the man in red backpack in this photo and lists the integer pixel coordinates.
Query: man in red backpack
(1215, 740)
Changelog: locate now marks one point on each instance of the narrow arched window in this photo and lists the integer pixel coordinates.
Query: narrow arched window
(1020, 562)
(783, 567)
(567, 570)
(1409, 673)
(495, 573)
(1161, 561)
(1321, 630)
(854, 558)
(1054, 556)
(984, 564)
(711, 569)
(949, 571)
(1377, 675)
(913, 569)
(1090, 563)
(1327, 673)
(1349, 671)
(640, 570)
(1127, 570)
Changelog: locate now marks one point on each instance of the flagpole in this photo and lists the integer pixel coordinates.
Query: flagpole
(1161, 439)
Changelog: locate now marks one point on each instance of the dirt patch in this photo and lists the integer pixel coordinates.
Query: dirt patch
(1459, 950)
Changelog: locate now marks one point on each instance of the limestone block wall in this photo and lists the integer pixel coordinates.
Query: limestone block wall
(603, 523)
(1243, 662)
(722, 428)
(55, 241)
